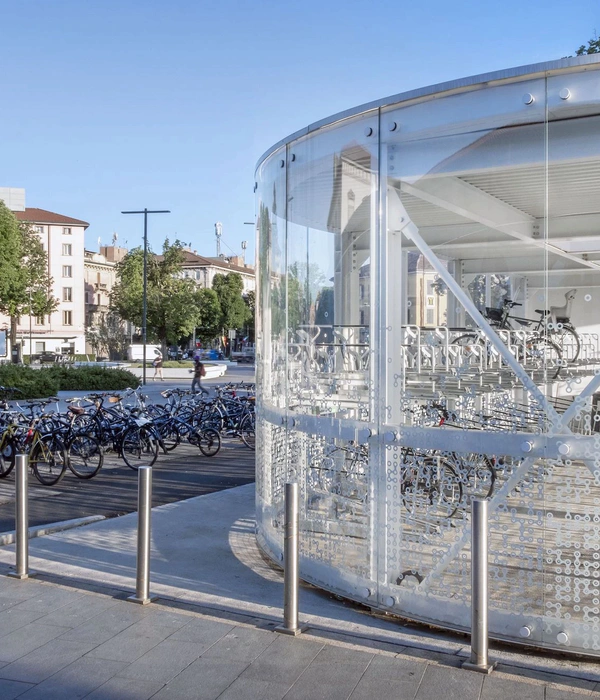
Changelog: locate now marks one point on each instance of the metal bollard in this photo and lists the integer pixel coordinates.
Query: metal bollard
(142, 582)
(290, 564)
(479, 589)
(22, 519)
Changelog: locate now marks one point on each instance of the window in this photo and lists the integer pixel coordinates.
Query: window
(40, 346)
(38, 229)
(67, 293)
(39, 320)
(67, 249)
(67, 271)
(67, 231)
(67, 318)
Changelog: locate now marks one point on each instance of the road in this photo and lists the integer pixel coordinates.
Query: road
(182, 474)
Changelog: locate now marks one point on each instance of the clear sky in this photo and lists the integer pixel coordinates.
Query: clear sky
(124, 104)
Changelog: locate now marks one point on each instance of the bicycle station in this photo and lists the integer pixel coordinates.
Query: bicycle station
(428, 282)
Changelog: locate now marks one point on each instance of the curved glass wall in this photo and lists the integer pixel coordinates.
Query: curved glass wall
(428, 332)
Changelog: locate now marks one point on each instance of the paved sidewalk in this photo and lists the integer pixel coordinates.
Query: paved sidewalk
(71, 634)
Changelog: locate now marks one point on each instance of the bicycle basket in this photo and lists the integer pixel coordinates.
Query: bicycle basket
(493, 314)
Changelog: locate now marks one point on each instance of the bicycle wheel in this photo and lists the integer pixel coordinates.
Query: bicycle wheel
(545, 355)
(248, 430)
(48, 460)
(207, 440)
(8, 455)
(478, 474)
(139, 447)
(567, 340)
(169, 434)
(85, 456)
(431, 488)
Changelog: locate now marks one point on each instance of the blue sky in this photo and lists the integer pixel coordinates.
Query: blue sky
(110, 105)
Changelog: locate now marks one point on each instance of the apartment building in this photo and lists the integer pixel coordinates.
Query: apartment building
(62, 331)
(100, 276)
(203, 270)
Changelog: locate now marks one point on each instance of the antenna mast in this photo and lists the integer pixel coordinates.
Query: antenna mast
(218, 234)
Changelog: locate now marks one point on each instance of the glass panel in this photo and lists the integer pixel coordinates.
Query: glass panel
(466, 210)
(271, 346)
(572, 532)
(331, 216)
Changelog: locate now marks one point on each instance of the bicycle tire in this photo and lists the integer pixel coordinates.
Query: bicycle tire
(247, 431)
(48, 459)
(567, 339)
(86, 456)
(139, 447)
(431, 488)
(545, 352)
(207, 440)
(169, 434)
(8, 455)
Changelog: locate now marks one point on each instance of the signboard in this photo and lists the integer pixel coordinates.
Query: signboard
(231, 334)
(3, 343)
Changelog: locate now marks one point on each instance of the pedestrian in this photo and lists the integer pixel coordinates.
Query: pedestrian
(199, 372)
(158, 365)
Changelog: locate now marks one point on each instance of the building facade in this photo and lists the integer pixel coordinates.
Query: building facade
(427, 334)
(62, 331)
(203, 270)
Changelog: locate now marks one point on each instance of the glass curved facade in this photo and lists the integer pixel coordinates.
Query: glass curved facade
(428, 331)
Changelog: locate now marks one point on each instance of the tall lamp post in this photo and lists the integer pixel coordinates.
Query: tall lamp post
(145, 212)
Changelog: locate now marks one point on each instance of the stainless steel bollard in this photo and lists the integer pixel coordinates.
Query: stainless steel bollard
(22, 519)
(479, 589)
(291, 625)
(142, 582)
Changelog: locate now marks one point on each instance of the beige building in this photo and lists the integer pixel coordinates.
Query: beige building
(100, 276)
(203, 270)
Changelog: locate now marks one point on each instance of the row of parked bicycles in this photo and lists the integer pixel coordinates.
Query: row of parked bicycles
(78, 438)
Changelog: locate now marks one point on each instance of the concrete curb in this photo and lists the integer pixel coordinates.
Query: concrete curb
(41, 530)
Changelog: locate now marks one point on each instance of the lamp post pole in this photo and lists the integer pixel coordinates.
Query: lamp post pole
(145, 212)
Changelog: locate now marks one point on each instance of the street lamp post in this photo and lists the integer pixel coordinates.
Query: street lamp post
(145, 212)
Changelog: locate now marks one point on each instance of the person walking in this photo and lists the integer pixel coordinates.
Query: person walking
(199, 372)
(158, 365)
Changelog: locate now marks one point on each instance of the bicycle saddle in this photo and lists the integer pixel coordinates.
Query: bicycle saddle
(542, 312)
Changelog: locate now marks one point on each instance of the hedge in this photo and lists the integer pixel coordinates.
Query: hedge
(47, 381)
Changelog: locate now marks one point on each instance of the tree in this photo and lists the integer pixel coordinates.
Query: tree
(250, 301)
(209, 323)
(25, 285)
(173, 303)
(234, 311)
(593, 46)
(109, 337)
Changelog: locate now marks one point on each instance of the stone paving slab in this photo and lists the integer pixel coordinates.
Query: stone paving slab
(65, 636)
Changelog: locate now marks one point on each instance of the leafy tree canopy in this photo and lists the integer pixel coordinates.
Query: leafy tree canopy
(209, 324)
(25, 285)
(173, 303)
(234, 310)
(593, 46)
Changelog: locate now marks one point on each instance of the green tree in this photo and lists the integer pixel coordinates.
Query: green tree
(250, 300)
(109, 337)
(173, 302)
(25, 285)
(209, 323)
(234, 311)
(593, 46)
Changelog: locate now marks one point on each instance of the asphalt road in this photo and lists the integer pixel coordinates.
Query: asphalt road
(183, 473)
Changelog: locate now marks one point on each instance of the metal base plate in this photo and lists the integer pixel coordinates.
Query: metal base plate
(142, 601)
(292, 632)
(480, 669)
(21, 577)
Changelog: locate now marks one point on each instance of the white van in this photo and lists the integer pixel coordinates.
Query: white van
(135, 353)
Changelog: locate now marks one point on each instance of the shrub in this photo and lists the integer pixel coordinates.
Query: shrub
(47, 381)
